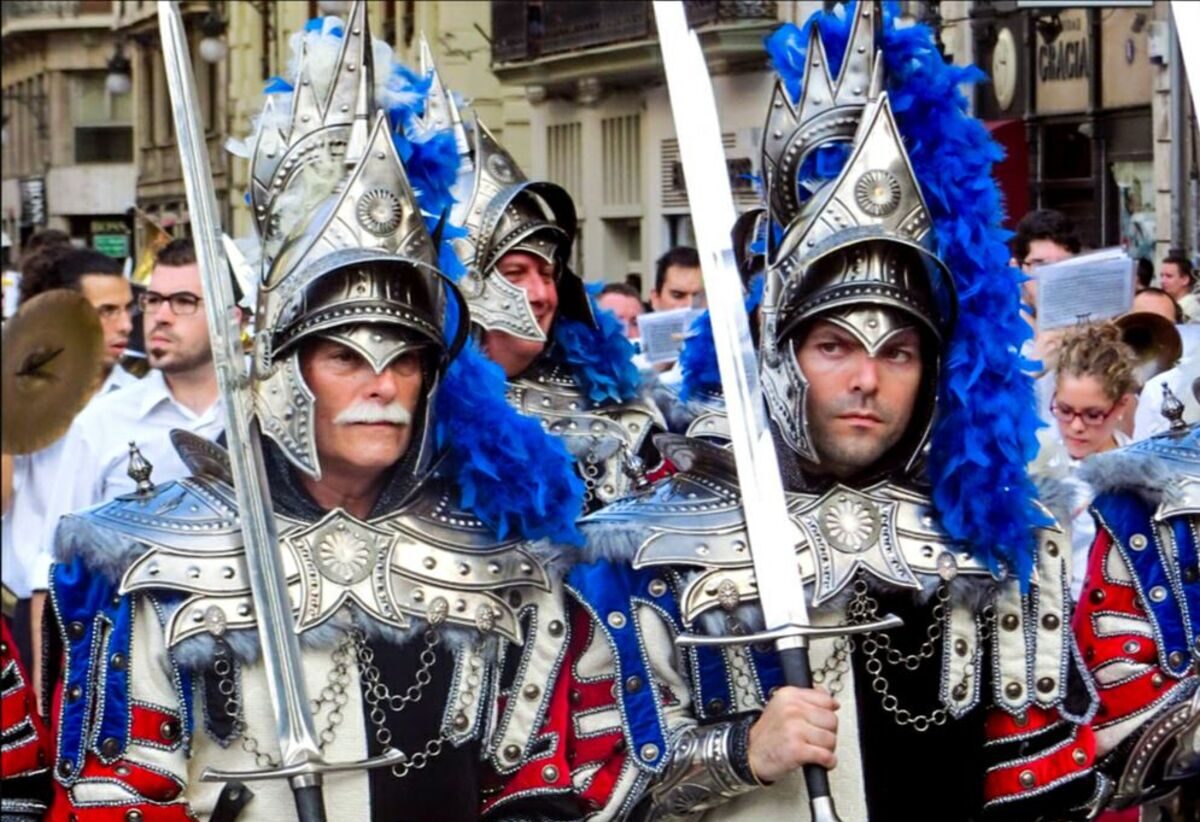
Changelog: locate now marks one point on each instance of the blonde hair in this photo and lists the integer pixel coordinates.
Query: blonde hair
(1098, 351)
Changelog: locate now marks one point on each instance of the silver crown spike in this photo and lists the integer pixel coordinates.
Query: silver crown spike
(353, 80)
(1172, 409)
(139, 470)
(441, 111)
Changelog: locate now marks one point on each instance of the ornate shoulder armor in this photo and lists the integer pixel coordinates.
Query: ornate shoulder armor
(606, 441)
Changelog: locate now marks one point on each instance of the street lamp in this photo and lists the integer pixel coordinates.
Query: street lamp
(118, 80)
(212, 47)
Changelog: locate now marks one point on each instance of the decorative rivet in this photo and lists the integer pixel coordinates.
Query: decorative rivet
(460, 722)
(555, 628)
(1021, 719)
(494, 568)
(117, 661)
(1158, 593)
(430, 563)
(575, 697)
(1096, 596)
(616, 619)
(1045, 684)
(110, 747)
(1052, 548)
(1138, 542)
(1132, 646)
(649, 752)
(1050, 622)
(1175, 658)
(169, 730)
(531, 692)
(550, 773)
(1157, 680)
(74, 693)
(1010, 622)
(511, 752)
(959, 693)
(75, 630)
(66, 767)
(1028, 780)
(133, 815)
(716, 707)
(1191, 573)
(633, 684)
(1080, 756)
(657, 587)
(960, 646)
(1013, 690)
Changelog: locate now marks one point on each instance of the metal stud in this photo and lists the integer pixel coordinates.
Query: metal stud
(1010, 622)
(716, 706)
(75, 630)
(1050, 622)
(616, 619)
(1027, 779)
(1175, 658)
(511, 752)
(633, 684)
(110, 747)
(460, 722)
(1046, 684)
(649, 752)
(1158, 593)
(1013, 690)
(1157, 680)
(1080, 756)
(555, 628)
(531, 692)
(1132, 646)
(1138, 542)
(657, 587)
(550, 773)
(960, 646)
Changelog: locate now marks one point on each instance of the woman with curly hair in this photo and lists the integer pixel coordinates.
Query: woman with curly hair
(1095, 388)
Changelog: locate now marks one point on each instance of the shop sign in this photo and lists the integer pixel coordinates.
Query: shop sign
(1064, 65)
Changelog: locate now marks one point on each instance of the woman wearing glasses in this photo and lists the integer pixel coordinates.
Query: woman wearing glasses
(1095, 387)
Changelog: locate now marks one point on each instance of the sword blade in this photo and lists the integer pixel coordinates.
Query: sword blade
(781, 591)
(276, 625)
(780, 587)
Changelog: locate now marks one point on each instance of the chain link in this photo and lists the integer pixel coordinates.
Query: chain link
(878, 649)
(380, 700)
(223, 667)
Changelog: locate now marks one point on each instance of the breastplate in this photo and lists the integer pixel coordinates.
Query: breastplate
(604, 440)
(426, 560)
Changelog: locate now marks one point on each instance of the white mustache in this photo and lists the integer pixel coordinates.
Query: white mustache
(369, 412)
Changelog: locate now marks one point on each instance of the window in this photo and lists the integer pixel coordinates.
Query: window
(103, 122)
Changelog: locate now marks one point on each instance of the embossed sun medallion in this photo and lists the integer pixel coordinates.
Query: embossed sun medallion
(877, 192)
(345, 557)
(850, 523)
(501, 168)
(379, 212)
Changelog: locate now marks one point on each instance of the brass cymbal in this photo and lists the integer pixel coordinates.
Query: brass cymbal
(51, 361)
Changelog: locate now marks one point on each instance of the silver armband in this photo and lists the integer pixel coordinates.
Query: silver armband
(700, 775)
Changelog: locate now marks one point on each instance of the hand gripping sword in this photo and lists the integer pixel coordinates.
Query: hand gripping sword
(302, 761)
(780, 587)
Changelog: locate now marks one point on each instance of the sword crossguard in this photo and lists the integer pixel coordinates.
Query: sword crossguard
(781, 636)
(301, 769)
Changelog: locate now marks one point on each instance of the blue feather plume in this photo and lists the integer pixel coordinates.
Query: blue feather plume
(698, 360)
(984, 434)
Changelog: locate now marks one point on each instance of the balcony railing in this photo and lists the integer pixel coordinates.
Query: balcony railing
(529, 29)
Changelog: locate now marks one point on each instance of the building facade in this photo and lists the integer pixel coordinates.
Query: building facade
(68, 148)
(1082, 97)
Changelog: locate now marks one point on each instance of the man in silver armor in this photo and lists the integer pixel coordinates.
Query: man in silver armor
(979, 694)
(432, 622)
(567, 364)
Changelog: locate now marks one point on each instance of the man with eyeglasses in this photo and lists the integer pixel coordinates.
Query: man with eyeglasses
(179, 392)
(99, 279)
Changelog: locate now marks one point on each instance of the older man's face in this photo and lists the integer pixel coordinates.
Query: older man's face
(364, 418)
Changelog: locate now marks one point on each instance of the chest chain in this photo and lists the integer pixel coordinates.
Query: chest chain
(379, 698)
(877, 647)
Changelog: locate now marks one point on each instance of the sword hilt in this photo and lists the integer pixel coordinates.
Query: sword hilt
(791, 642)
(304, 770)
(795, 633)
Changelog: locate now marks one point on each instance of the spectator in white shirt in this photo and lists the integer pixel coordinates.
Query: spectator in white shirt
(100, 279)
(179, 392)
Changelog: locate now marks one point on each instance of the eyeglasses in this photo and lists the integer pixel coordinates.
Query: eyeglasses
(1090, 416)
(182, 303)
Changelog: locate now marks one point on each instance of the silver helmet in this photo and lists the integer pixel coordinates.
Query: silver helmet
(503, 211)
(856, 250)
(345, 252)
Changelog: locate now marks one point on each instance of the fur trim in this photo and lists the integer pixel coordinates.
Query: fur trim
(1058, 496)
(614, 541)
(601, 358)
(984, 434)
(1130, 471)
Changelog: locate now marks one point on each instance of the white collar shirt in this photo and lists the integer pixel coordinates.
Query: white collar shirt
(34, 476)
(94, 462)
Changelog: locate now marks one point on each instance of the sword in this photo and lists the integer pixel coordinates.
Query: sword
(780, 588)
(302, 761)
